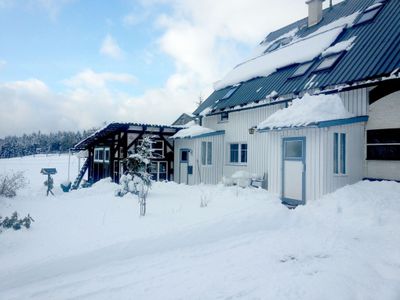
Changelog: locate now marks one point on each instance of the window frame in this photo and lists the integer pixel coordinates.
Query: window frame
(338, 56)
(340, 154)
(240, 152)
(377, 10)
(230, 93)
(100, 155)
(387, 139)
(162, 156)
(295, 75)
(206, 153)
(224, 117)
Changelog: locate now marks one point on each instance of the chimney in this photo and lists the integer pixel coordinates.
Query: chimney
(314, 11)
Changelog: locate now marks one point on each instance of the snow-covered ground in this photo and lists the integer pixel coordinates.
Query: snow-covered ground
(88, 244)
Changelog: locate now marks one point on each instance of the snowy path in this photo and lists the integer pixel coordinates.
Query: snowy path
(89, 244)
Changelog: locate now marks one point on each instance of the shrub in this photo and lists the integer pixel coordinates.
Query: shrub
(11, 183)
(15, 223)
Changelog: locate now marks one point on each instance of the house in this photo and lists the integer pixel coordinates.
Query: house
(316, 108)
(183, 119)
(108, 147)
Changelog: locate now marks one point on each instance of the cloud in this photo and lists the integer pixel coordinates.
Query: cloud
(2, 63)
(88, 100)
(205, 39)
(53, 7)
(90, 79)
(110, 47)
(135, 18)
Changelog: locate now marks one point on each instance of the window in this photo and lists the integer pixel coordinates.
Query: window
(383, 144)
(279, 43)
(230, 93)
(184, 156)
(371, 12)
(294, 149)
(157, 148)
(328, 62)
(107, 154)
(102, 155)
(302, 69)
(238, 153)
(206, 153)
(224, 117)
(339, 153)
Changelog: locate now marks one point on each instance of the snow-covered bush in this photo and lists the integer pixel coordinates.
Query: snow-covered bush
(15, 223)
(242, 178)
(11, 183)
(137, 179)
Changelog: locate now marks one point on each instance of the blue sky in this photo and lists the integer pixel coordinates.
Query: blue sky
(75, 64)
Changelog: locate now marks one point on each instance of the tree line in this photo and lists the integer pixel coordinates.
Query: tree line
(39, 143)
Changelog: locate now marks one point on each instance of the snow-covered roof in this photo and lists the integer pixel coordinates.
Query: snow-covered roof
(192, 131)
(340, 47)
(299, 50)
(307, 110)
(369, 51)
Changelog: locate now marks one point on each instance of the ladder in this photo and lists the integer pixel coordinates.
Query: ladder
(82, 172)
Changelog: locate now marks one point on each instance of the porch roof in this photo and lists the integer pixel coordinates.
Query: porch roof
(114, 128)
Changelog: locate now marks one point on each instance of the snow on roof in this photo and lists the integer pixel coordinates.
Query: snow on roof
(339, 47)
(300, 50)
(307, 110)
(192, 131)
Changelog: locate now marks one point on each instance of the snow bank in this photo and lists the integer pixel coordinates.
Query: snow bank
(300, 50)
(88, 244)
(307, 110)
(192, 131)
(340, 47)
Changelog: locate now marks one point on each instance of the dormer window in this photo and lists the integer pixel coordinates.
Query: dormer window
(302, 69)
(328, 62)
(230, 93)
(371, 12)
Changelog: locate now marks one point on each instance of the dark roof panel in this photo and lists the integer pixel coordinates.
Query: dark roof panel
(375, 53)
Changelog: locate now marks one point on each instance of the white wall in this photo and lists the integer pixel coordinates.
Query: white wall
(356, 101)
(237, 131)
(320, 178)
(201, 174)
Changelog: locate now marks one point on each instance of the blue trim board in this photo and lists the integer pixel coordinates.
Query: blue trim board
(322, 124)
(219, 132)
(293, 202)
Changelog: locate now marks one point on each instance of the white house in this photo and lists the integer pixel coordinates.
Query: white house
(317, 107)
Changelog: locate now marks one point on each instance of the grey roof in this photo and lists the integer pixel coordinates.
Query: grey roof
(375, 54)
(114, 128)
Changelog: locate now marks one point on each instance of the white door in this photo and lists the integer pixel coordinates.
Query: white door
(183, 166)
(293, 179)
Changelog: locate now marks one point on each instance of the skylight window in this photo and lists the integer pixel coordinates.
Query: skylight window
(328, 62)
(230, 93)
(279, 43)
(370, 13)
(302, 69)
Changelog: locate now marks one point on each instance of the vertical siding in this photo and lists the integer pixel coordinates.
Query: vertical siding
(356, 101)
(201, 174)
(237, 131)
(355, 149)
(319, 158)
